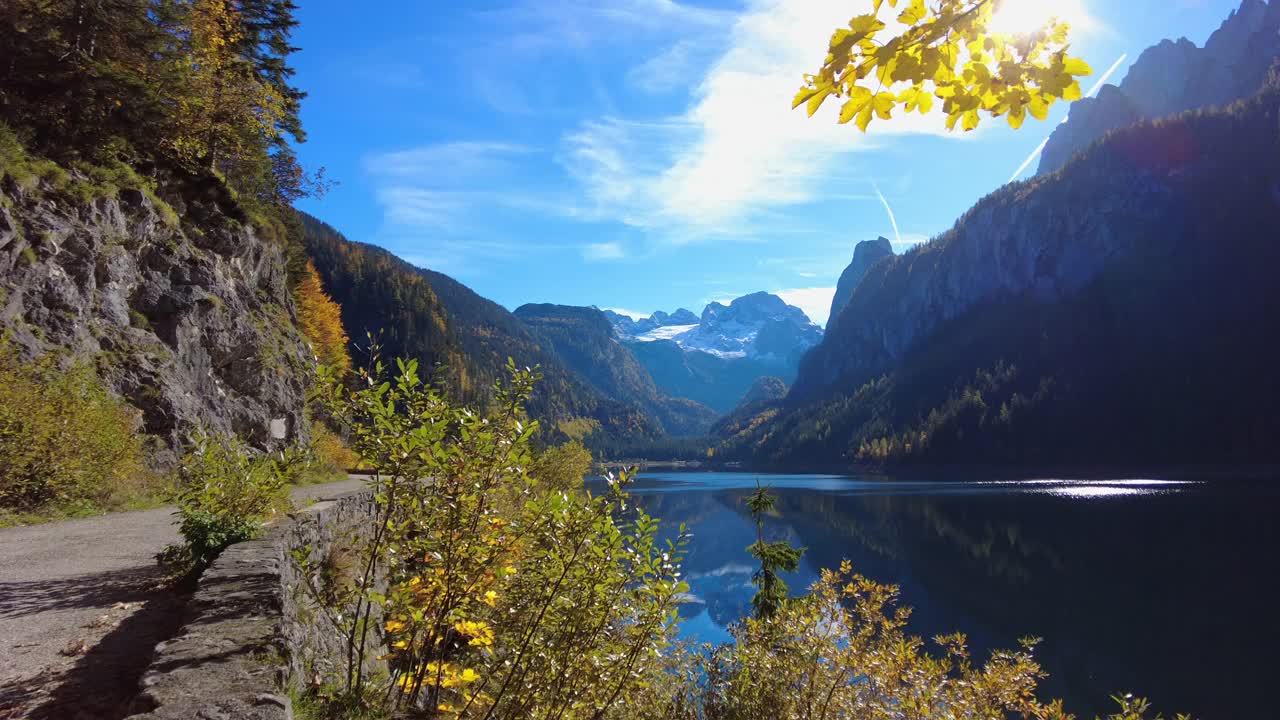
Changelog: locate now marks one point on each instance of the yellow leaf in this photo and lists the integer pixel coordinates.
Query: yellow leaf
(914, 13)
(1076, 66)
(804, 94)
(864, 116)
(815, 102)
(857, 99)
(1072, 92)
(884, 103)
(925, 103)
(970, 120)
(1016, 116)
(1038, 107)
(864, 25)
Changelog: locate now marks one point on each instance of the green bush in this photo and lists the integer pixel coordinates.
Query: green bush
(66, 443)
(562, 468)
(226, 492)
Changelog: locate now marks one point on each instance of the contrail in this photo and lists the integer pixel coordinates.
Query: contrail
(1093, 90)
(896, 235)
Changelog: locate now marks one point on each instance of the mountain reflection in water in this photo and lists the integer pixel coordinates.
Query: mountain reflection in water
(1161, 588)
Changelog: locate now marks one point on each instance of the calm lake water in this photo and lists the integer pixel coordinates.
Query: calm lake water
(1164, 589)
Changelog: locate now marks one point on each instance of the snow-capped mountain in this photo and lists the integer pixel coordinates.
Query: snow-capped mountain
(716, 358)
(759, 325)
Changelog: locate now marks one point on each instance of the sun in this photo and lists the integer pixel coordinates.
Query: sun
(1018, 17)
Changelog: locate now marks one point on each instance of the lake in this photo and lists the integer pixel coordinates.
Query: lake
(1164, 589)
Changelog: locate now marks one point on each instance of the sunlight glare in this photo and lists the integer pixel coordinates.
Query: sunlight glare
(1017, 17)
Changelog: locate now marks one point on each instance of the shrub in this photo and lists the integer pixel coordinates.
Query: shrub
(562, 468)
(331, 458)
(225, 494)
(66, 443)
(481, 593)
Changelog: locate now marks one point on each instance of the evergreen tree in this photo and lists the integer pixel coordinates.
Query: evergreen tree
(774, 557)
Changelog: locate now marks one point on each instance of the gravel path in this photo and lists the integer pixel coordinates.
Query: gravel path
(81, 609)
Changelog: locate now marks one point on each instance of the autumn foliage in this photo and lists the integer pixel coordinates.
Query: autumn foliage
(320, 319)
(947, 51)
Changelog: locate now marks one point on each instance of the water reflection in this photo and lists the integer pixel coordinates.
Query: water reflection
(1157, 587)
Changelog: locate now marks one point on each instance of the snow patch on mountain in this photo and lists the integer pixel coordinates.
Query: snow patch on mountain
(670, 332)
(760, 325)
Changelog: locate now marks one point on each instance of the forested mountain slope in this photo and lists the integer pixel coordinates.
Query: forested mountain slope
(1121, 310)
(434, 318)
(1173, 77)
(583, 338)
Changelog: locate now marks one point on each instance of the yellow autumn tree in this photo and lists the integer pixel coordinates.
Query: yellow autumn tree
(320, 319)
(224, 113)
(944, 49)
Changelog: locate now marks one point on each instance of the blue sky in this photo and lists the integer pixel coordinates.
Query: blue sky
(642, 154)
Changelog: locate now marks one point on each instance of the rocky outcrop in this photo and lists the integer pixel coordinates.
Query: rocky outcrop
(865, 254)
(189, 317)
(1174, 76)
(1045, 239)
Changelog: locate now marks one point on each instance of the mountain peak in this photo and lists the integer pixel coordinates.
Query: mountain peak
(1173, 76)
(758, 324)
(865, 254)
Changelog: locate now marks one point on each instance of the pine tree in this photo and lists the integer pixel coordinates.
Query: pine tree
(774, 557)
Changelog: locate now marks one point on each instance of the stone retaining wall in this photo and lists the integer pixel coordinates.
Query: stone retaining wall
(250, 635)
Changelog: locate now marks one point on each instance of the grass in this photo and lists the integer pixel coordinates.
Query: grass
(146, 500)
(102, 177)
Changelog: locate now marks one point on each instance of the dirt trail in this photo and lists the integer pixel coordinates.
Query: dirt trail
(81, 610)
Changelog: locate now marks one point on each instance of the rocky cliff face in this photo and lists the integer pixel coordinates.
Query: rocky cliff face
(1175, 76)
(1043, 239)
(1119, 312)
(190, 321)
(865, 254)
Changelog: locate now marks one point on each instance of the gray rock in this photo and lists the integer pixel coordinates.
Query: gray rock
(193, 325)
(865, 254)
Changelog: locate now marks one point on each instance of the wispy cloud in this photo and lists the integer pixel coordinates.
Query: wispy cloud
(452, 162)
(670, 69)
(596, 252)
(633, 314)
(739, 151)
(893, 220)
(814, 301)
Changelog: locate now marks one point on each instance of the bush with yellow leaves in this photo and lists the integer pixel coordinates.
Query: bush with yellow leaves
(481, 593)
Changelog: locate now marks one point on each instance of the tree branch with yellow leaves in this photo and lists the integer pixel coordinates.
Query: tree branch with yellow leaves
(946, 50)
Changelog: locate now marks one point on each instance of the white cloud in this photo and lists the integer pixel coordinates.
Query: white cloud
(454, 162)
(595, 252)
(814, 301)
(739, 151)
(633, 314)
(669, 70)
